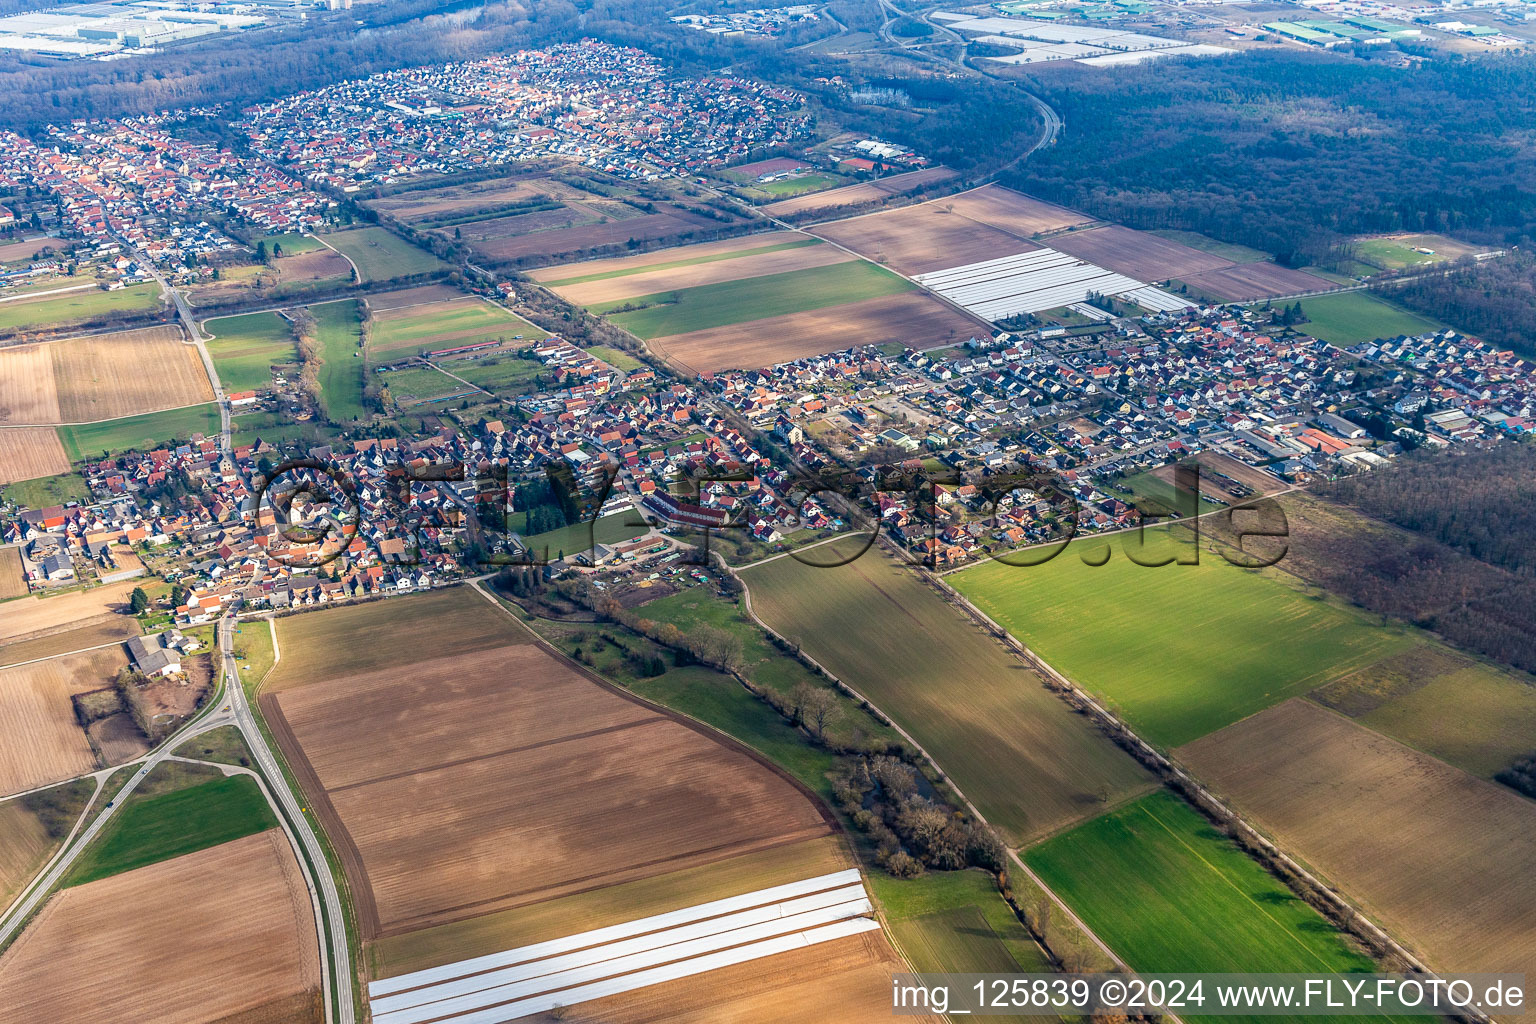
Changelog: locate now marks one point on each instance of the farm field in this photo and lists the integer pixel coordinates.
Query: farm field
(600, 907)
(1441, 859)
(668, 259)
(30, 616)
(546, 237)
(24, 847)
(425, 795)
(847, 980)
(339, 332)
(224, 934)
(1350, 318)
(15, 252)
(139, 433)
(862, 192)
(27, 453)
(246, 347)
(46, 311)
(910, 318)
(13, 580)
(45, 491)
(923, 238)
(450, 323)
(93, 632)
(1476, 716)
(381, 256)
(745, 264)
(618, 360)
(109, 376)
(1226, 250)
(1137, 254)
(404, 792)
(432, 202)
(1180, 650)
(1168, 892)
(954, 922)
(383, 635)
(151, 829)
(1252, 281)
(34, 702)
(105, 376)
(739, 301)
(1030, 764)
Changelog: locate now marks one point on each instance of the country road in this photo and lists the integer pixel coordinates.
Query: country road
(338, 965)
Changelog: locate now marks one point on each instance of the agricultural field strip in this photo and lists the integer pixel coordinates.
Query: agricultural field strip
(811, 936)
(668, 943)
(584, 968)
(671, 919)
(1035, 281)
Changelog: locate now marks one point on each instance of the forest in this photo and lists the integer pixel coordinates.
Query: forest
(1468, 570)
(1494, 300)
(1290, 152)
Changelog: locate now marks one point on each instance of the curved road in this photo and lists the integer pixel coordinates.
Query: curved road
(339, 963)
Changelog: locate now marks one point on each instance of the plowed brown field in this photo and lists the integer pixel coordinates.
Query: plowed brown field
(27, 453)
(1137, 254)
(1245, 281)
(27, 391)
(35, 708)
(473, 782)
(1442, 859)
(920, 239)
(217, 934)
(653, 282)
(847, 981)
(912, 318)
(127, 373)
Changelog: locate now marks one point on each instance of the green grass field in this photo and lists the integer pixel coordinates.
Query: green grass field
(501, 374)
(734, 302)
(1028, 762)
(147, 830)
(470, 321)
(1350, 318)
(341, 376)
(419, 382)
(381, 256)
(580, 537)
(1478, 718)
(786, 188)
(74, 306)
(1180, 650)
(292, 243)
(244, 348)
(139, 433)
(1170, 893)
(671, 264)
(619, 360)
(47, 490)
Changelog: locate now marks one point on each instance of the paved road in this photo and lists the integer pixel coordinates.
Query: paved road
(22, 909)
(185, 312)
(338, 964)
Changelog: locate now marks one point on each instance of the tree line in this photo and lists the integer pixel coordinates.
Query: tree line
(1494, 299)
